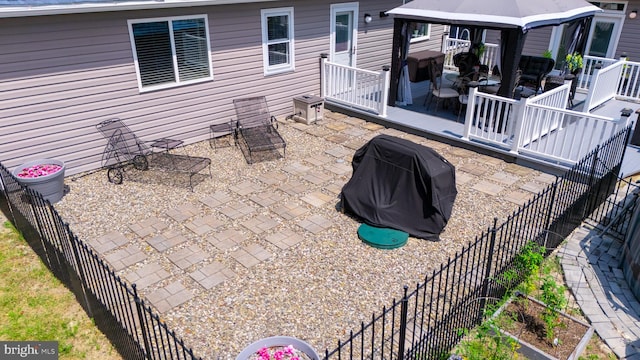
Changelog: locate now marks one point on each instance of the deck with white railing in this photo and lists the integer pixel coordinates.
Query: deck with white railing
(539, 129)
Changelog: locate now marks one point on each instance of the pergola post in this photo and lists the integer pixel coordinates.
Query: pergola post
(396, 61)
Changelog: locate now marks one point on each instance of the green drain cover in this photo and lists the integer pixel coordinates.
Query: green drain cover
(382, 238)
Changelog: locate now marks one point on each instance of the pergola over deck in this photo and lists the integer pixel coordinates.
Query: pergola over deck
(514, 18)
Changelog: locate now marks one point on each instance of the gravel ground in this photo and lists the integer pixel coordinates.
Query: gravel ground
(323, 286)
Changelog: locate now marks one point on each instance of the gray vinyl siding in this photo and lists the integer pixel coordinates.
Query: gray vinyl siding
(628, 42)
(537, 41)
(62, 75)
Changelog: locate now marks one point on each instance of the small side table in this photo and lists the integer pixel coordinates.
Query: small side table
(166, 144)
(217, 131)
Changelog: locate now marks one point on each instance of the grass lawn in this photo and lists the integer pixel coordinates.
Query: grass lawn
(35, 306)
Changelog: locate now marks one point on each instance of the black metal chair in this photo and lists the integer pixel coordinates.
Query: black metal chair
(256, 129)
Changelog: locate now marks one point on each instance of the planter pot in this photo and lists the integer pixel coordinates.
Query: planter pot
(274, 341)
(530, 351)
(51, 186)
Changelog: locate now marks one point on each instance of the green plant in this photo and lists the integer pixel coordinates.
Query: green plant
(574, 61)
(487, 342)
(552, 294)
(479, 49)
(547, 54)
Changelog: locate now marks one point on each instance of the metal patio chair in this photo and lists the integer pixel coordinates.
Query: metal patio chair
(123, 149)
(256, 128)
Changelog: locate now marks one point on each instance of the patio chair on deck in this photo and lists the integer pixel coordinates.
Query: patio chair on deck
(256, 130)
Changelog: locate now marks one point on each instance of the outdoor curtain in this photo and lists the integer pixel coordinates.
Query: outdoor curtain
(404, 96)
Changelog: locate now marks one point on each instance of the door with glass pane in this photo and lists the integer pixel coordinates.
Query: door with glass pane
(344, 30)
(604, 35)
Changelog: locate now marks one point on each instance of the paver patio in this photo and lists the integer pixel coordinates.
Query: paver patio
(192, 251)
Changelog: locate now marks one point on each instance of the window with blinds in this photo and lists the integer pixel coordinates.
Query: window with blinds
(277, 40)
(171, 51)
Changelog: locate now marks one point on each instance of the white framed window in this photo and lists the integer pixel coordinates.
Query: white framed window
(171, 51)
(421, 32)
(277, 40)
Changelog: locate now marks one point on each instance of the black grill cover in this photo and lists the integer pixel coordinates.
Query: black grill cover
(401, 185)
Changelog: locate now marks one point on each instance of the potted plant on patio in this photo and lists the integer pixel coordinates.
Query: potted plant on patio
(574, 63)
(45, 176)
(279, 348)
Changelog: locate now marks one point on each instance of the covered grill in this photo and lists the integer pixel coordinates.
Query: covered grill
(401, 185)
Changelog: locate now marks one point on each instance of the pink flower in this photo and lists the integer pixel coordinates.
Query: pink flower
(279, 353)
(39, 170)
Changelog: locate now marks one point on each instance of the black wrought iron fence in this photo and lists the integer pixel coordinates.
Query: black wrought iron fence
(427, 321)
(134, 328)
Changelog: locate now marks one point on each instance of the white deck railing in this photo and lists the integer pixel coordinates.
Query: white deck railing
(357, 88)
(575, 134)
(540, 126)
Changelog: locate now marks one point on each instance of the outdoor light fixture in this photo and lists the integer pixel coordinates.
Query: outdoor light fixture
(383, 14)
(633, 14)
(367, 18)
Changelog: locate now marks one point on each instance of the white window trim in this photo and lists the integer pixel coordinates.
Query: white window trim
(173, 50)
(280, 68)
(422, 38)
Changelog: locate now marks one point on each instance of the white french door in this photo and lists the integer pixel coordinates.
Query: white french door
(344, 33)
(604, 35)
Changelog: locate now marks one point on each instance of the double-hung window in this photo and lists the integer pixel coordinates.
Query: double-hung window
(170, 52)
(277, 40)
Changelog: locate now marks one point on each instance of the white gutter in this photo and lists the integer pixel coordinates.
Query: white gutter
(79, 8)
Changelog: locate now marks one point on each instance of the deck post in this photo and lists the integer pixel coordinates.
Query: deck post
(470, 112)
(518, 117)
(592, 87)
(386, 75)
(323, 75)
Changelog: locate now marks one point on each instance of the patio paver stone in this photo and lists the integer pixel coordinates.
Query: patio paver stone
(285, 239)
(294, 187)
(488, 188)
(170, 296)
(166, 240)
(212, 274)
(317, 199)
(204, 224)
(289, 211)
(147, 275)
(217, 199)
(533, 187)
(504, 178)
(317, 177)
(338, 152)
(126, 257)
(251, 255)
(296, 168)
(183, 212)
(226, 239)
(315, 224)
(148, 226)
(260, 224)
(186, 257)
(273, 178)
(108, 242)
(236, 210)
(245, 188)
(267, 198)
